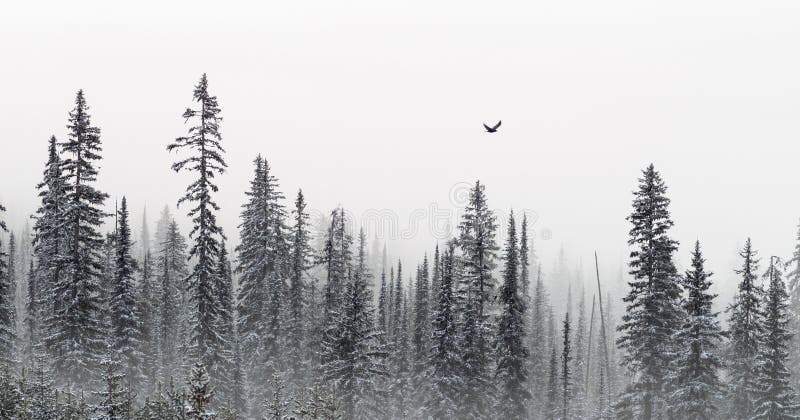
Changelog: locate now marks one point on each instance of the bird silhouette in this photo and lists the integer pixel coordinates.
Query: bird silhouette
(492, 129)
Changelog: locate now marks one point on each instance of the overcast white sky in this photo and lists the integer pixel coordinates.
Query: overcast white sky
(379, 105)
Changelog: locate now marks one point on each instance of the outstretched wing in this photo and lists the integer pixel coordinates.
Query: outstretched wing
(498, 125)
(487, 127)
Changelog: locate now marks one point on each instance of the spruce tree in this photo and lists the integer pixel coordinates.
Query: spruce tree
(745, 327)
(125, 323)
(113, 404)
(223, 290)
(146, 311)
(48, 244)
(696, 383)
(478, 247)
(524, 262)
(354, 357)
(300, 263)
(551, 408)
(511, 372)
(775, 398)
(653, 310)
(444, 362)
(793, 289)
(538, 344)
(566, 372)
(421, 320)
(7, 331)
(200, 394)
(206, 161)
(75, 336)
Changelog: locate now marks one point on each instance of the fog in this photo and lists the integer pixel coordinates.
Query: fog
(379, 106)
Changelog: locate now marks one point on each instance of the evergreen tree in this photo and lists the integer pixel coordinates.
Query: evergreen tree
(204, 141)
(146, 305)
(551, 408)
(301, 261)
(566, 373)
(200, 394)
(113, 404)
(793, 289)
(48, 243)
(775, 398)
(6, 307)
(173, 301)
(524, 263)
(125, 323)
(354, 357)
(261, 216)
(511, 372)
(444, 363)
(579, 389)
(383, 304)
(696, 382)
(653, 312)
(745, 331)
(74, 327)
(538, 344)
(223, 290)
(421, 320)
(478, 247)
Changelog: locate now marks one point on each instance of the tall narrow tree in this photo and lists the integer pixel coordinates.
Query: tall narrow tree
(511, 372)
(653, 310)
(125, 323)
(745, 332)
(206, 161)
(75, 336)
(300, 263)
(775, 398)
(696, 383)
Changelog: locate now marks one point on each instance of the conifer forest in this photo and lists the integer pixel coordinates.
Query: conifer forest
(255, 298)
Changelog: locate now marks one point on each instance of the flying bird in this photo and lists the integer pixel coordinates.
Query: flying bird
(492, 129)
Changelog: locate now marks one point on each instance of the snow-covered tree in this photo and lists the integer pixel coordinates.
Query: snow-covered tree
(74, 326)
(653, 302)
(353, 352)
(566, 368)
(200, 394)
(745, 327)
(511, 372)
(206, 162)
(421, 334)
(695, 381)
(444, 360)
(775, 397)
(300, 263)
(223, 290)
(7, 330)
(146, 311)
(126, 337)
(114, 402)
(478, 248)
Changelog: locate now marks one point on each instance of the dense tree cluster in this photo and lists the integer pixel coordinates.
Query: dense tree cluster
(304, 321)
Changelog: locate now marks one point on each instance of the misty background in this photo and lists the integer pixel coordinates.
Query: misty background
(378, 106)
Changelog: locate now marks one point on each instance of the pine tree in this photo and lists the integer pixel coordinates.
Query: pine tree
(793, 289)
(566, 373)
(200, 394)
(6, 306)
(32, 314)
(524, 262)
(511, 372)
(48, 244)
(144, 238)
(301, 262)
(223, 290)
(538, 344)
(257, 266)
(775, 398)
(421, 320)
(173, 301)
(74, 327)
(354, 357)
(551, 407)
(207, 162)
(146, 306)
(113, 403)
(383, 305)
(444, 363)
(653, 312)
(696, 382)
(125, 323)
(579, 390)
(745, 329)
(478, 247)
